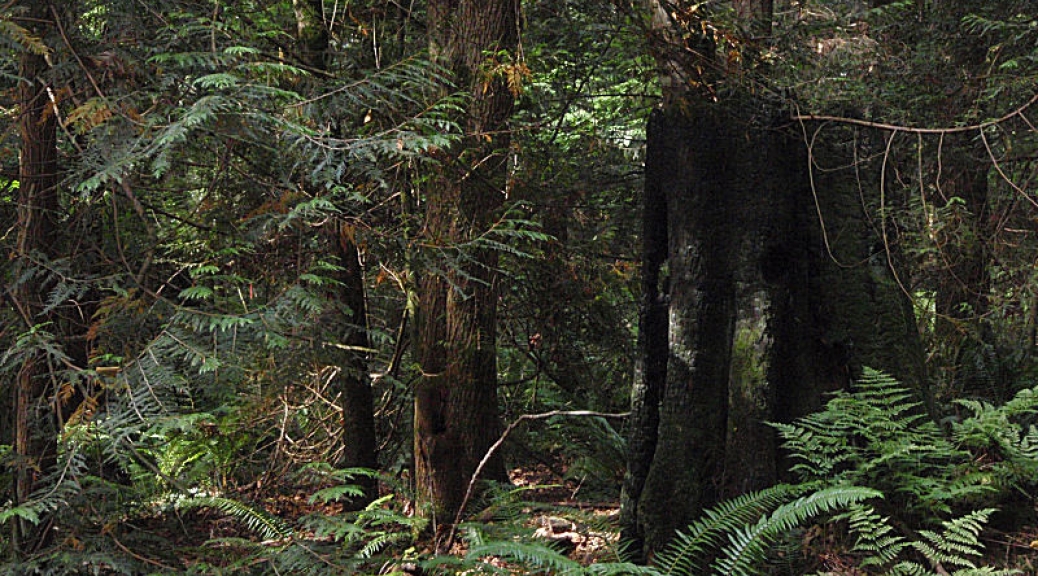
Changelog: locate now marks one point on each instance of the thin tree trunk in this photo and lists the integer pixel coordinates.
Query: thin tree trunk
(38, 208)
(456, 412)
(360, 446)
(359, 449)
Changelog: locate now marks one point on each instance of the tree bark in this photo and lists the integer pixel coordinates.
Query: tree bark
(686, 470)
(456, 412)
(360, 448)
(651, 370)
(839, 302)
(35, 423)
(756, 245)
(757, 13)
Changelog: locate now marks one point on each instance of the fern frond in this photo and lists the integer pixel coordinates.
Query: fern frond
(619, 569)
(958, 541)
(748, 546)
(259, 521)
(876, 536)
(381, 541)
(685, 553)
(528, 555)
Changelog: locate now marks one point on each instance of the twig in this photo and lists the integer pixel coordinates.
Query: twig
(897, 128)
(122, 547)
(83, 66)
(501, 440)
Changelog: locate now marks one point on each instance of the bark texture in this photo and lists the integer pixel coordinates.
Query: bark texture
(35, 423)
(456, 412)
(775, 292)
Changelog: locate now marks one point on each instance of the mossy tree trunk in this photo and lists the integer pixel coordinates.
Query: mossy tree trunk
(456, 412)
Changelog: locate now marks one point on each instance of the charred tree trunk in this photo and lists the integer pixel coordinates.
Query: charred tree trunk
(456, 412)
(35, 422)
(838, 300)
(651, 370)
(685, 474)
(359, 448)
(721, 173)
(813, 300)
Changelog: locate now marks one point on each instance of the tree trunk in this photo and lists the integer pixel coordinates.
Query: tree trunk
(651, 369)
(456, 417)
(686, 470)
(35, 423)
(723, 180)
(360, 448)
(746, 254)
(838, 300)
(757, 13)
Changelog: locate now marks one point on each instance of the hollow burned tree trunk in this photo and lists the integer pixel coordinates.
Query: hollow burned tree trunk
(799, 271)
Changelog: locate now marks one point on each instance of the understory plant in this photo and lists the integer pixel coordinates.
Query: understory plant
(895, 493)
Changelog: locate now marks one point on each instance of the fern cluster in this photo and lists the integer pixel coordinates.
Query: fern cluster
(878, 435)
(873, 448)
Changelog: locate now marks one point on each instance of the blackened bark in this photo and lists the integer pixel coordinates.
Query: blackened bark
(812, 299)
(690, 160)
(456, 418)
(838, 301)
(651, 370)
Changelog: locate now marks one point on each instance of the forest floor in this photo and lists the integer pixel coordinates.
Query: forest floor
(540, 504)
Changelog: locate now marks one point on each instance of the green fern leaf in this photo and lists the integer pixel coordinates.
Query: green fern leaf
(748, 546)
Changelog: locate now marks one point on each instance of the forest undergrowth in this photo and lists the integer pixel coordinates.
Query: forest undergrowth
(879, 489)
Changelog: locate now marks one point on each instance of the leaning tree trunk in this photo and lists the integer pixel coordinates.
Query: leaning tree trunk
(359, 447)
(456, 417)
(35, 423)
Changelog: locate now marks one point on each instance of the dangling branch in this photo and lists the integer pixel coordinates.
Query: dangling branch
(913, 130)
